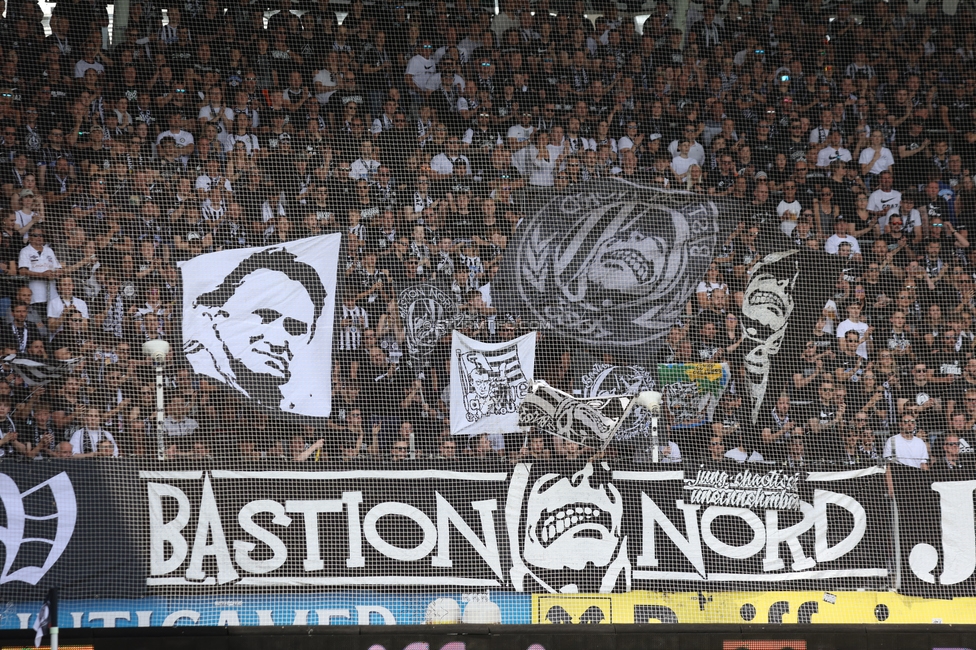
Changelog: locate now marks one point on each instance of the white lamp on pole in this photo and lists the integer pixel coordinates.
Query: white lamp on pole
(156, 350)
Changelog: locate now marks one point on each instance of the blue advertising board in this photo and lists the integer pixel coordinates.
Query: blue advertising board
(339, 608)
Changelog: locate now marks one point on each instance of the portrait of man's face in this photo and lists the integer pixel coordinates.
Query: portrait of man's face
(258, 328)
(263, 325)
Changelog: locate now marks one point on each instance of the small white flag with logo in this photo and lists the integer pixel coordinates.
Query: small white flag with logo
(488, 382)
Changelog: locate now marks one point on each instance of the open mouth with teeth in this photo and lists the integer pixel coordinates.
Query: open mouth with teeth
(769, 299)
(631, 260)
(577, 520)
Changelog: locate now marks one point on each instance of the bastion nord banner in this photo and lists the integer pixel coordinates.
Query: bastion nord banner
(118, 529)
(531, 528)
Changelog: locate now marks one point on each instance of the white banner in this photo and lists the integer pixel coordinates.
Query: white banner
(488, 382)
(260, 320)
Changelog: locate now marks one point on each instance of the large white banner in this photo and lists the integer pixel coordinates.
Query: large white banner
(488, 383)
(260, 320)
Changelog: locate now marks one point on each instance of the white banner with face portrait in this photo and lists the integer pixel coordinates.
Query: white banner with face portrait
(260, 320)
(488, 383)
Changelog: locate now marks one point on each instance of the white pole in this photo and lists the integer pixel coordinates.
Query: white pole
(655, 455)
(54, 638)
(160, 448)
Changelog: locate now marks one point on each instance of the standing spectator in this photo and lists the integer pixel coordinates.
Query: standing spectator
(86, 441)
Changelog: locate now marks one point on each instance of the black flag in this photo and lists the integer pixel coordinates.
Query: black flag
(47, 616)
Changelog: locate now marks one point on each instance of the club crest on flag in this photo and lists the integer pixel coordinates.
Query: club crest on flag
(488, 383)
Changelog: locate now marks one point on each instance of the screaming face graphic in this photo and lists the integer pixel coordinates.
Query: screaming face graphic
(611, 258)
(766, 309)
(611, 262)
(572, 523)
(630, 265)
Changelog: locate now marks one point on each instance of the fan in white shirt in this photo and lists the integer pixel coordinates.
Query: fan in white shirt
(64, 301)
(833, 151)
(877, 158)
(839, 237)
(451, 162)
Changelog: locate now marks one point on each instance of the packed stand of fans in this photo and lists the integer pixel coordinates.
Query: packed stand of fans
(416, 133)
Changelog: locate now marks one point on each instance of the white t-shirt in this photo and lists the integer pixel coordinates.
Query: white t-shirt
(182, 139)
(22, 218)
(819, 135)
(442, 164)
(95, 436)
(55, 306)
(38, 262)
(324, 77)
(674, 454)
(911, 452)
(741, 456)
(697, 152)
(835, 240)
(884, 162)
(520, 133)
(785, 207)
(83, 66)
(228, 140)
(210, 112)
(889, 201)
(421, 69)
(846, 326)
(681, 165)
(828, 155)
(362, 169)
(910, 220)
(434, 82)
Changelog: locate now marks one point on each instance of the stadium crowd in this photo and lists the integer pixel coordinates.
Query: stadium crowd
(845, 131)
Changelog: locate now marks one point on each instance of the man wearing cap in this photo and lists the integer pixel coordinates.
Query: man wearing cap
(841, 235)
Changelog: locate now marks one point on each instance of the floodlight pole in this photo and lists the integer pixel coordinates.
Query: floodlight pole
(156, 350)
(160, 446)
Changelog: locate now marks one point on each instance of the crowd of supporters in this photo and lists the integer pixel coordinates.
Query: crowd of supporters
(416, 132)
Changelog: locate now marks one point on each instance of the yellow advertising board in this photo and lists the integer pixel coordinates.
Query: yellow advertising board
(759, 607)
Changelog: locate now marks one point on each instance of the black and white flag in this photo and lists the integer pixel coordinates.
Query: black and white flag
(427, 314)
(589, 422)
(260, 320)
(607, 380)
(488, 382)
(47, 617)
(610, 264)
(38, 373)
